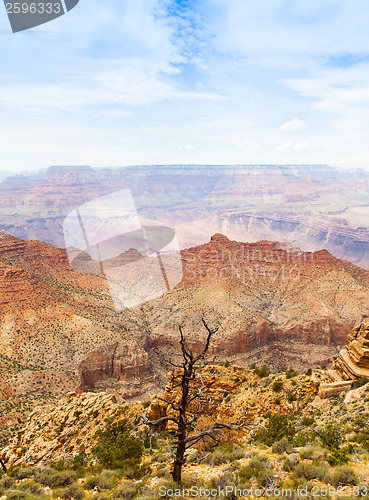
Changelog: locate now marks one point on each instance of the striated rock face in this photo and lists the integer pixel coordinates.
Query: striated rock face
(57, 329)
(353, 360)
(270, 301)
(61, 431)
(130, 368)
(310, 205)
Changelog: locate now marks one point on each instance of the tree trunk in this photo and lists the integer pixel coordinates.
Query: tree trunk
(178, 462)
(2, 465)
(182, 428)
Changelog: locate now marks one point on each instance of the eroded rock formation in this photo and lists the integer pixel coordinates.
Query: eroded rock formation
(353, 360)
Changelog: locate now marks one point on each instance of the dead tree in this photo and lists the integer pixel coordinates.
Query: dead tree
(2, 465)
(183, 422)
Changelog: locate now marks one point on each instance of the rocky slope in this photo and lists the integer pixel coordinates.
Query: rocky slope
(59, 330)
(65, 429)
(59, 432)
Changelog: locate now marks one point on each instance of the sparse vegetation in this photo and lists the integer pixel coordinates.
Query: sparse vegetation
(295, 448)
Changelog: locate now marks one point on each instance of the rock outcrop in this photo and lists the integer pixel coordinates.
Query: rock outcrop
(61, 431)
(353, 360)
(351, 364)
(229, 392)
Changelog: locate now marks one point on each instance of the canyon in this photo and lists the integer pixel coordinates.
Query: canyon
(312, 206)
(272, 304)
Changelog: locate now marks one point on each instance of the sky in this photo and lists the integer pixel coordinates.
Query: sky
(127, 82)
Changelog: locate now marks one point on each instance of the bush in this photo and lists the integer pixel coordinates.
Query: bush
(288, 465)
(117, 448)
(22, 472)
(261, 372)
(277, 427)
(291, 397)
(126, 491)
(254, 468)
(331, 436)
(15, 494)
(309, 471)
(74, 491)
(360, 382)
(291, 373)
(218, 457)
(343, 476)
(282, 446)
(277, 385)
(6, 482)
(266, 478)
(222, 481)
(227, 453)
(313, 453)
(103, 481)
(31, 487)
(338, 456)
(309, 371)
(53, 479)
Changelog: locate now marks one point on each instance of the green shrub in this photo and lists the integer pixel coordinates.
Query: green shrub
(222, 481)
(343, 476)
(288, 465)
(313, 453)
(22, 472)
(79, 462)
(291, 373)
(309, 471)
(282, 446)
(307, 421)
(6, 482)
(266, 478)
(126, 491)
(277, 385)
(159, 457)
(227, 453)
(261, 372)
(331, 436)
(217, 457)
(254, 468)
(103, 481)
(74, 491)
(15, 494)
(277, 427)
(360, 382)
(339, 456)
(117, 447)
(291, 397)
(53, 479)
(309, 371)
(31, 487)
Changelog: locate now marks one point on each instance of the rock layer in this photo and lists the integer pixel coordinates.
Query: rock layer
(353, 360)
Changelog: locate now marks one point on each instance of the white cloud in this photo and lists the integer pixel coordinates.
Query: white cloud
(301, 146)
(248, 145)
(285, 146)
(294, 124)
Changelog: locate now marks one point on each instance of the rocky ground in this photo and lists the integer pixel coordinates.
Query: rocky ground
(317, 445)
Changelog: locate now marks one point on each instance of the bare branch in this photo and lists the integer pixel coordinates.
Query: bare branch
(159, 421)
(210, 333)
(173, 406)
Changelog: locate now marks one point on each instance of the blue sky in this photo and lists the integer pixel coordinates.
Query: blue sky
(122, 82)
